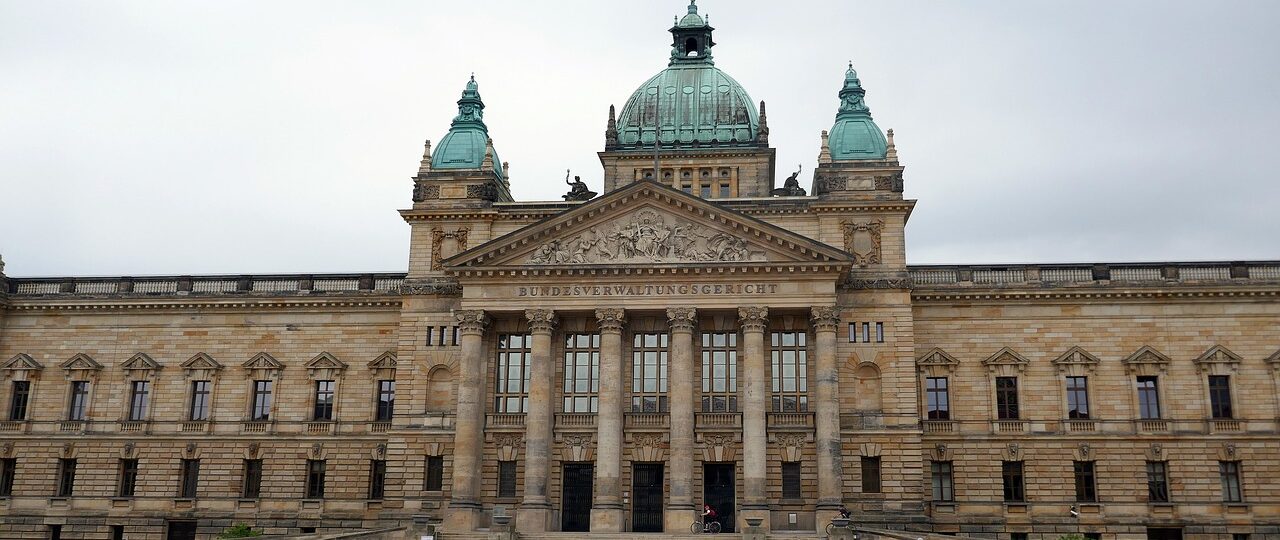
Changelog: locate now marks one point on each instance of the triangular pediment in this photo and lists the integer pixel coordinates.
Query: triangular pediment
(1148, 356)
(937, 359)
(1006, 357)
(201, 361)
(140, 361)
(1076, 357)
(22, 362)
(262, 361)
(386, 360)
(81, 361)
(648, 224)
(1218, 355)
(325, 360)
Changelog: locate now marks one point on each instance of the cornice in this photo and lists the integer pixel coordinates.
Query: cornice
(161, 304)
(653, 270)
(989, 295)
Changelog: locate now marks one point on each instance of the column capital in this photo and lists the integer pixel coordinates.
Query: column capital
(682, 319)
(471, 321)
(611, 319)
(753, 319)
(825, 318)
(541, 321)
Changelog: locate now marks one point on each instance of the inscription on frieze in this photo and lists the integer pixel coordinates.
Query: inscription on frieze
(646, 237)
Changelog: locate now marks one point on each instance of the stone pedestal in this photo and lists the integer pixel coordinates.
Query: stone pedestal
(606, 506)
(464, 507)
(755, 404)
(680, 510)
(535, 509)
(827, 409)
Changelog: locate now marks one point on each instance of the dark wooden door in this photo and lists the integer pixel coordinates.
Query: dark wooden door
(717, 491)
(575, 497)
(646, 497)
(181, 530)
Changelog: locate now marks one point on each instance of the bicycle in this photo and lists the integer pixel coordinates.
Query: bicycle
(699, 527)
(832, 526)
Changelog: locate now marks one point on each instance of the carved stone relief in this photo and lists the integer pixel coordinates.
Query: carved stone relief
(646, 237)
(862, 240)
(445, 244)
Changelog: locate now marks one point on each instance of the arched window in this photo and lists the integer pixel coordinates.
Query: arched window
(691, 47)
(440, 390)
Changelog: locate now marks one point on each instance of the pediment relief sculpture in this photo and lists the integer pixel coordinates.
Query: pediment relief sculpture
(647, 236)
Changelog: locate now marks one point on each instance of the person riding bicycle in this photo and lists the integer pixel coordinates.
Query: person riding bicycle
(844, 512)
(708, 514)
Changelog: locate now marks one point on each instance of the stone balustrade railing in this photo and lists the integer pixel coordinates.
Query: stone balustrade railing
(1089, 274)
(209, 285)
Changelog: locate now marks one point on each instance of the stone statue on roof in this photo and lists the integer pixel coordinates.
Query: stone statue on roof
(790, 187)
(577, 189)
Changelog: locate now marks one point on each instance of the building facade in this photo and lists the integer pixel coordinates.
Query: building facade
(696, 334)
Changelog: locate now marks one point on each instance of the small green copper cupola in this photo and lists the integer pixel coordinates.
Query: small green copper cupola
(467, 143)
(855, 135)
(691, 39)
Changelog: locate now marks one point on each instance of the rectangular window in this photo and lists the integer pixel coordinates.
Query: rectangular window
(853, 332)
(512, 395)
(1230, 472)
(79, 405)
(866, 332)
(791, 480)
(1078, 397)
(377, 478)
(386, 401)
(870, 474)
(139, 400)
(435, 474)
(1220, 396)
(581, 373)
(117, 532)
(251, 486)
(128, 480)
(55, 532)
(190, 479)
(431, 331)
(324, 401)
(719, 372)
(315, 478)
(1011, 472)
(940, 477)
(1157, 481)
(200, 392)
(1086, 482)
(790, 360)
(705, 191)
(649, 372)
(507, 479)
(8, 472)
(1148, 398)
(18, 402)
(879, 332)
(66, 478)
(454, 334)
(261, 401)
(1007, 398)
(939, 401)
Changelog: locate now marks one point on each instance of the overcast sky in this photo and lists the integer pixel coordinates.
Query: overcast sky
(152, 137)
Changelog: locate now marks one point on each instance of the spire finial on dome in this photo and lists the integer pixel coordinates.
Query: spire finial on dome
(425, 166)
(891, 153)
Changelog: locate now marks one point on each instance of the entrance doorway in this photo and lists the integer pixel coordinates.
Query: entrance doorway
(1156, 533)
(646, 497)
(181, 530)
(718, 491)
(575, 497)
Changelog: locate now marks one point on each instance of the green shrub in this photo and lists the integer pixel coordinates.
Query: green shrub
(239, 531)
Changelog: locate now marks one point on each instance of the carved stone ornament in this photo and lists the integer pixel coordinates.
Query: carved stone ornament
(6, 450)
(718, 447)
(1012, 452)
(1229, 452)
(791, 445)
(1218, 360)
(471, 321)
(485, 191)
(682, 319)
(1146, 361)
(423, 191)
(432, 286)
(190, 451)
(509, 445)
(445, 244)
(753, 319)
(862, 240)
(317, 451)
(1155, 452)
(541, 321)
(825, 318)
(878, 283)
(252, 452)
(68, 450)
(578, 447)
(1076, 361)
(1084, 452)
(941, 452)
(611, 320)
(646, 237)
(380, 451)
(647, 447)
(870, 449)
(937, 362)
(1006, 362)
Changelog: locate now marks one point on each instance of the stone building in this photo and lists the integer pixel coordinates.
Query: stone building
(695, 334)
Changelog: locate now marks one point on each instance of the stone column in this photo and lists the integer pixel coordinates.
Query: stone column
(755, 403)
(606, 507)
(535, 510)
(468, 433)
(680, 508)
(827, 409)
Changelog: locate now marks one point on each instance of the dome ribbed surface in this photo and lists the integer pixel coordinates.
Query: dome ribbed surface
(694, 105)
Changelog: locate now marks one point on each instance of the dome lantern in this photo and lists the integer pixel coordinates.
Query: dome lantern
(467, 143)
(855, 135)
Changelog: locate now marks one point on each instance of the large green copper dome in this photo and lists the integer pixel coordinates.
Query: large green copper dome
(855, 135)
(468, 139)
(691, 103)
